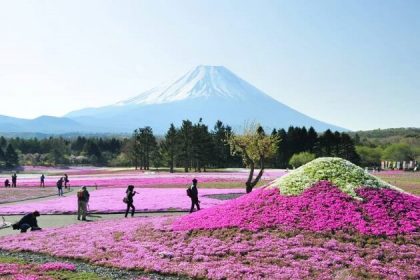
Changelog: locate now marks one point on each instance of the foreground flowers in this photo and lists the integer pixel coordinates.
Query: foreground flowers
(11, 268)
(150, 244)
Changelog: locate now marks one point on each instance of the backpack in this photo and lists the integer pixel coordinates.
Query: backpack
(80, 195)
(189, 192)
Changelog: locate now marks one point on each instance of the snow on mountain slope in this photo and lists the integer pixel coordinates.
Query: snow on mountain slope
(201, 82)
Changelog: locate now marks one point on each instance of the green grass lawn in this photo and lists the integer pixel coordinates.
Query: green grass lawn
(408, 181)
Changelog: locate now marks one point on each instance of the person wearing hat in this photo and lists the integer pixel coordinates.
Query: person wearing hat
(193, 194)
(28, 221)
(82, 202)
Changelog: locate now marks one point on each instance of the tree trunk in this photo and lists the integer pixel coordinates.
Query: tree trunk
(171, 167)
(250, 183)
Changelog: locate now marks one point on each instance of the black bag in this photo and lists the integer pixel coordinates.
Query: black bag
(189, 192)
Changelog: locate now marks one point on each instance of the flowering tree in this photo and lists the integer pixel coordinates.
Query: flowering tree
(255, 147)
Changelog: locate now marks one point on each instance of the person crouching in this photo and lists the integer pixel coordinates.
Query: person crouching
(82, 202)
(28, 222)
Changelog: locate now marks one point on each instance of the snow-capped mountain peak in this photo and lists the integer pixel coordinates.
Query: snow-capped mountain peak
(201, 82)
(210, 93)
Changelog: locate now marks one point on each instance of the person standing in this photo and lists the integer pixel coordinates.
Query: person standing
(130, 193)
(192, 192)
(42, 181)
(14, 180)
(60, 186)
(66, 180)
(82, 202)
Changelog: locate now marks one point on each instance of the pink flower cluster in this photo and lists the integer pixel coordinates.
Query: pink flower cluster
(109, 200)
(23, 271)
(151, 245)
(52, 266)
(323, 207)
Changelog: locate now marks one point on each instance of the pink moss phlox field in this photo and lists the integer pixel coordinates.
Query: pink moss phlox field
(323, 207)
(123, 179)
(109, 200)
(150, 244)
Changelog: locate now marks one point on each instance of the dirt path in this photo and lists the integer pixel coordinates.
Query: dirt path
(51, 221)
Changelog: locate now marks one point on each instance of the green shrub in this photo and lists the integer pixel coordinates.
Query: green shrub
(300, 159)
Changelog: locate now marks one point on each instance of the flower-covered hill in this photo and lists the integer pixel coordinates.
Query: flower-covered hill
(342, 173)
(321, 208)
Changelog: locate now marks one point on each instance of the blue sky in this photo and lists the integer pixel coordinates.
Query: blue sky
(355, 64)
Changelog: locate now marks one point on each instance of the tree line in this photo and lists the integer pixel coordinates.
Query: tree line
(190, 146)
(297, 140)
(399, 144)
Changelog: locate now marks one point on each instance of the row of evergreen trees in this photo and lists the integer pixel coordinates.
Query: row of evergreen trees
(8, 156)
(59, 151)
(194, 146)
(191, 146)
(300, 139)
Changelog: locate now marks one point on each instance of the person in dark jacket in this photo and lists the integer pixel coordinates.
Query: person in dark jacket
(14, 180)
(60, 186)
(28, 221)
(42, 181)
(193, 194)
(6, 183)
(82, 202)
(130, 193)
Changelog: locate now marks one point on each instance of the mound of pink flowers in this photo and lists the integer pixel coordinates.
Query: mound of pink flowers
(323, 207)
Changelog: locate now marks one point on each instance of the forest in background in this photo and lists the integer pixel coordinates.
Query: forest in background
(195, 146)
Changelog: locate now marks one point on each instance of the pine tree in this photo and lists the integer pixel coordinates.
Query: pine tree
(186, 139)
(2, 158)
(170, 147)
(11, 157)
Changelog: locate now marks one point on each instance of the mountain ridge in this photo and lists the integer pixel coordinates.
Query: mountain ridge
(210, 93)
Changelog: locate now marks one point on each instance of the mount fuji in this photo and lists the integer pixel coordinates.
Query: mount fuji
(208, 92)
